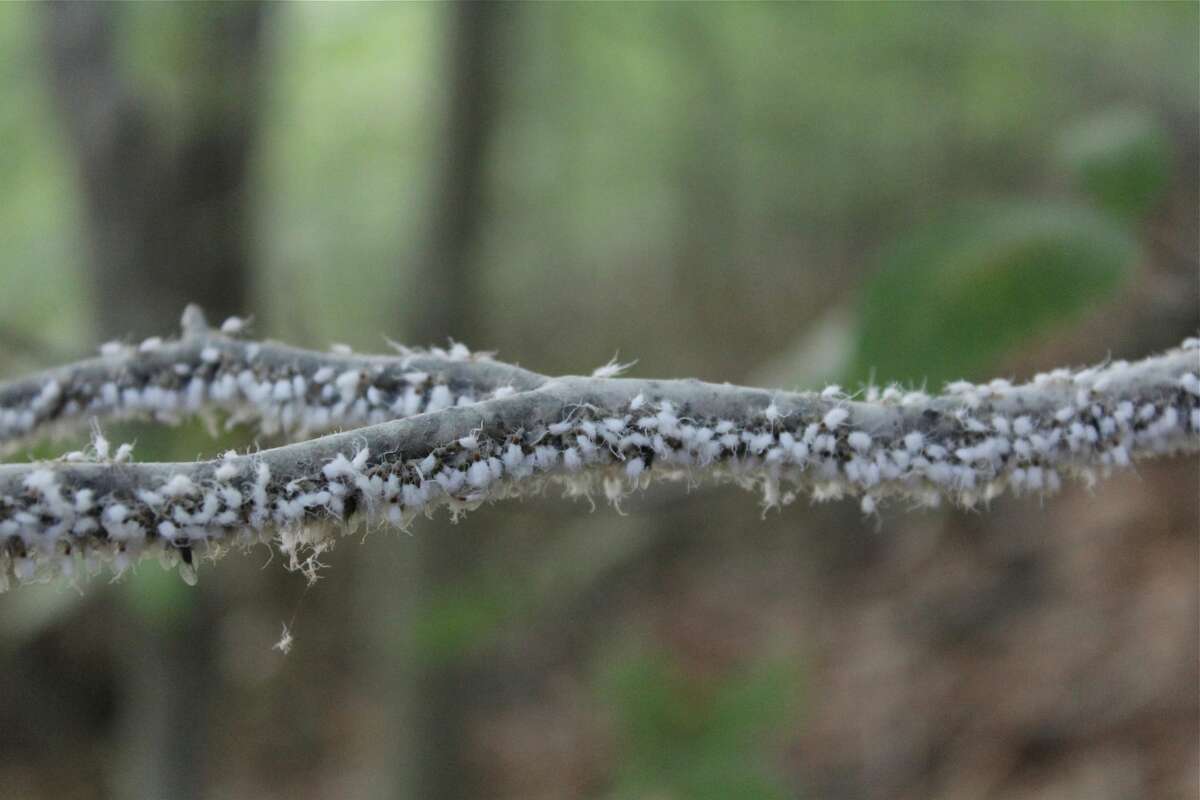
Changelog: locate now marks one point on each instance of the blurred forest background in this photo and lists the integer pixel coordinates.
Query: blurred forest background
(772, 194)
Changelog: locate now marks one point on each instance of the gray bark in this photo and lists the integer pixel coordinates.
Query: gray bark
(969, 445)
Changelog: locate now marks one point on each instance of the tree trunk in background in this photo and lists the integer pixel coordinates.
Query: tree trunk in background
(167, 213)
(428, 711)
(446, 270)
(167, 220)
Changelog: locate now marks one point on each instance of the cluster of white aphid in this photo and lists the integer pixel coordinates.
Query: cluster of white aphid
(970, 445)
(169, 381)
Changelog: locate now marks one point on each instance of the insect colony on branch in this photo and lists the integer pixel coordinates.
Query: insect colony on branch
(451, 428)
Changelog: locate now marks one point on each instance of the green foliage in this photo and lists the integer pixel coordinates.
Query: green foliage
(955, 295)
(40, 275)
(1121, 159)
(464, 617)
(158, 597)
(345, 155)
(684, 736)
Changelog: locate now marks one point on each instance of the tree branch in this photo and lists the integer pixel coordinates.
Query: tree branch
(277, 388)
(968, 445)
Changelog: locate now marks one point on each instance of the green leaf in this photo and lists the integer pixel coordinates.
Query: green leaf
(955, 296)
(1121, 159)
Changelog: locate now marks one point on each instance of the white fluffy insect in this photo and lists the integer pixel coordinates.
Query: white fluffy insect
(228, 469)
(634, 468)
(235, 325)
(835, 417)
(479, 475)
(178, 486)
(612, 369)
(440, 397)
(860, 441)
(286, 640)
(100, 445)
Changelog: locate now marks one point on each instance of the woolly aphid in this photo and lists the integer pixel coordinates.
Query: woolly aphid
(587, 434)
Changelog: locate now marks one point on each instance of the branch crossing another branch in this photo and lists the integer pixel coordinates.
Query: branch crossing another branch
(445, 428)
